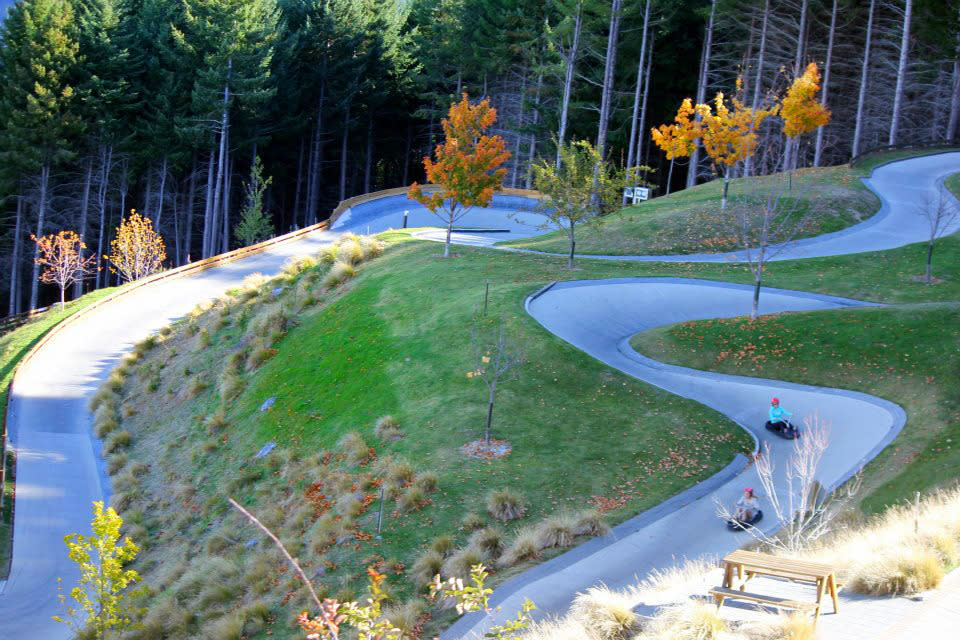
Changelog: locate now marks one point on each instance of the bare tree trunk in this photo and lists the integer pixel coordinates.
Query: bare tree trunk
(570, 63)
(702, 90)
(162, 193)
(955, 96)
(191, 199)
(864, 71)
(106, 165)
(532, 151)
(176, 229)
(641, 137)
(368, 161)
(632, 145)
(573, 245)
(84, 211)
(208, 206)
(519, 135)
(901, 73)
(343, 151)
(789, 148)
(14, 302)
(227, 184)
(606, 98)
(406, 154)
(296, 198)
(487, 432)
(748, 163)
(221, 163)
(818, 151)
(41, 219)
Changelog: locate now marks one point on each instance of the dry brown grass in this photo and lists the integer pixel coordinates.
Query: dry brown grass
(605, 614)
(505, 505)
(556, 531)
(387, 429)
(524, 546)
(459, 564)
(339, 273)
(427, 565)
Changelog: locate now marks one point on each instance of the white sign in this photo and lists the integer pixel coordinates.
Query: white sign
(637, 194)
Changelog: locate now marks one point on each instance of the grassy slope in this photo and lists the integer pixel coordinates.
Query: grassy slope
(398, 342)
(13, 347)
(687, 221)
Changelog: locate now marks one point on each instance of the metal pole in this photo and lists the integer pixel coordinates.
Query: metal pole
(406, 212)
(380, 515)
(486, 297)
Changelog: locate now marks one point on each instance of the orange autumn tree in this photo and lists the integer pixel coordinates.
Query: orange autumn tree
(729, 135)
(137, 250)
(802, 113)
(61, 256)
(678, 140)
(467, 166)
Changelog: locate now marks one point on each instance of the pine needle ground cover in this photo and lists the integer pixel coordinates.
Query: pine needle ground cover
(590, 446)
(907, 354)
(14, 345)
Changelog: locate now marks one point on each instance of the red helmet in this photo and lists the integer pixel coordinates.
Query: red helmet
(775, 401)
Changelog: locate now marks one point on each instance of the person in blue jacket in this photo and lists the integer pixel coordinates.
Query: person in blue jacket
(779, 418)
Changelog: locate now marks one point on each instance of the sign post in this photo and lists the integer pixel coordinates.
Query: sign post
(636, 194)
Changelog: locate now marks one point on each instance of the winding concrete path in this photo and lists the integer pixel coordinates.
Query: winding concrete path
(60, 470)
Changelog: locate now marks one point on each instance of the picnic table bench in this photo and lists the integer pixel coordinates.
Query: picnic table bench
(747, 564)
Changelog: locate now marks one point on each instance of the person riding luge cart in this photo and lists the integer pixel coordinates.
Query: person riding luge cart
(779, 421)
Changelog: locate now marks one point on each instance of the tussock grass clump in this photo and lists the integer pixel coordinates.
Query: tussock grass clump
(689, 621)
(125, 482)
(216, 421)
(258, 356)
(472, 521)
(272, 321)
(339, 273)
(590, 523)
(459, 564)
(203, 338)
(231, 385)
(105, 421)
(412, 499)
(229, 627)
(387, 429)
(103, 394)
(443, 545)
(524, 546)
(556, 531)
(372, 248)
(425, 567)
(427, 482)
(354, 447)
(894, 574)
(605, 614)
(490, 540)
(504, 505)
(297, 265)
(328, 255)
(197, 386)
(351, 251)
(118, 440)
(145, 346)
(398, 472)
(116, 380)
(116, 462)
(406, 616)
(786, 626)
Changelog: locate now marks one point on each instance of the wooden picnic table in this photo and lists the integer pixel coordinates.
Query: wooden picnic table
(747, 564)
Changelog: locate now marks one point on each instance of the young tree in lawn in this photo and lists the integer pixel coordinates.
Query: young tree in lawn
(100, 597)
(677, 140)
(467, 169)
(61, 257)
(729, 135)
(765, 227)
(137, 250)
(255, 224)
(942, 214)
(804, 512)
(581, 190)
(801, 111)
(496, 359)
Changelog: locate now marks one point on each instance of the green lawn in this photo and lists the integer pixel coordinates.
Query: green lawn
(14, 345)
(396, 341)
(907, 354)
(689, 221)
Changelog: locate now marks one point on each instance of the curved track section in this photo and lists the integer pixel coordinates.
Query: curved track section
(59, 466)
(599, 317)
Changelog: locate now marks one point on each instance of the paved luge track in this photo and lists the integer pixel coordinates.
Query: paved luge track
(60, 472)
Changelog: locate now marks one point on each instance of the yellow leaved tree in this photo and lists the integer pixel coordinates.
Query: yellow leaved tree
(137, 250)
(677, 140)
(802, 113)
